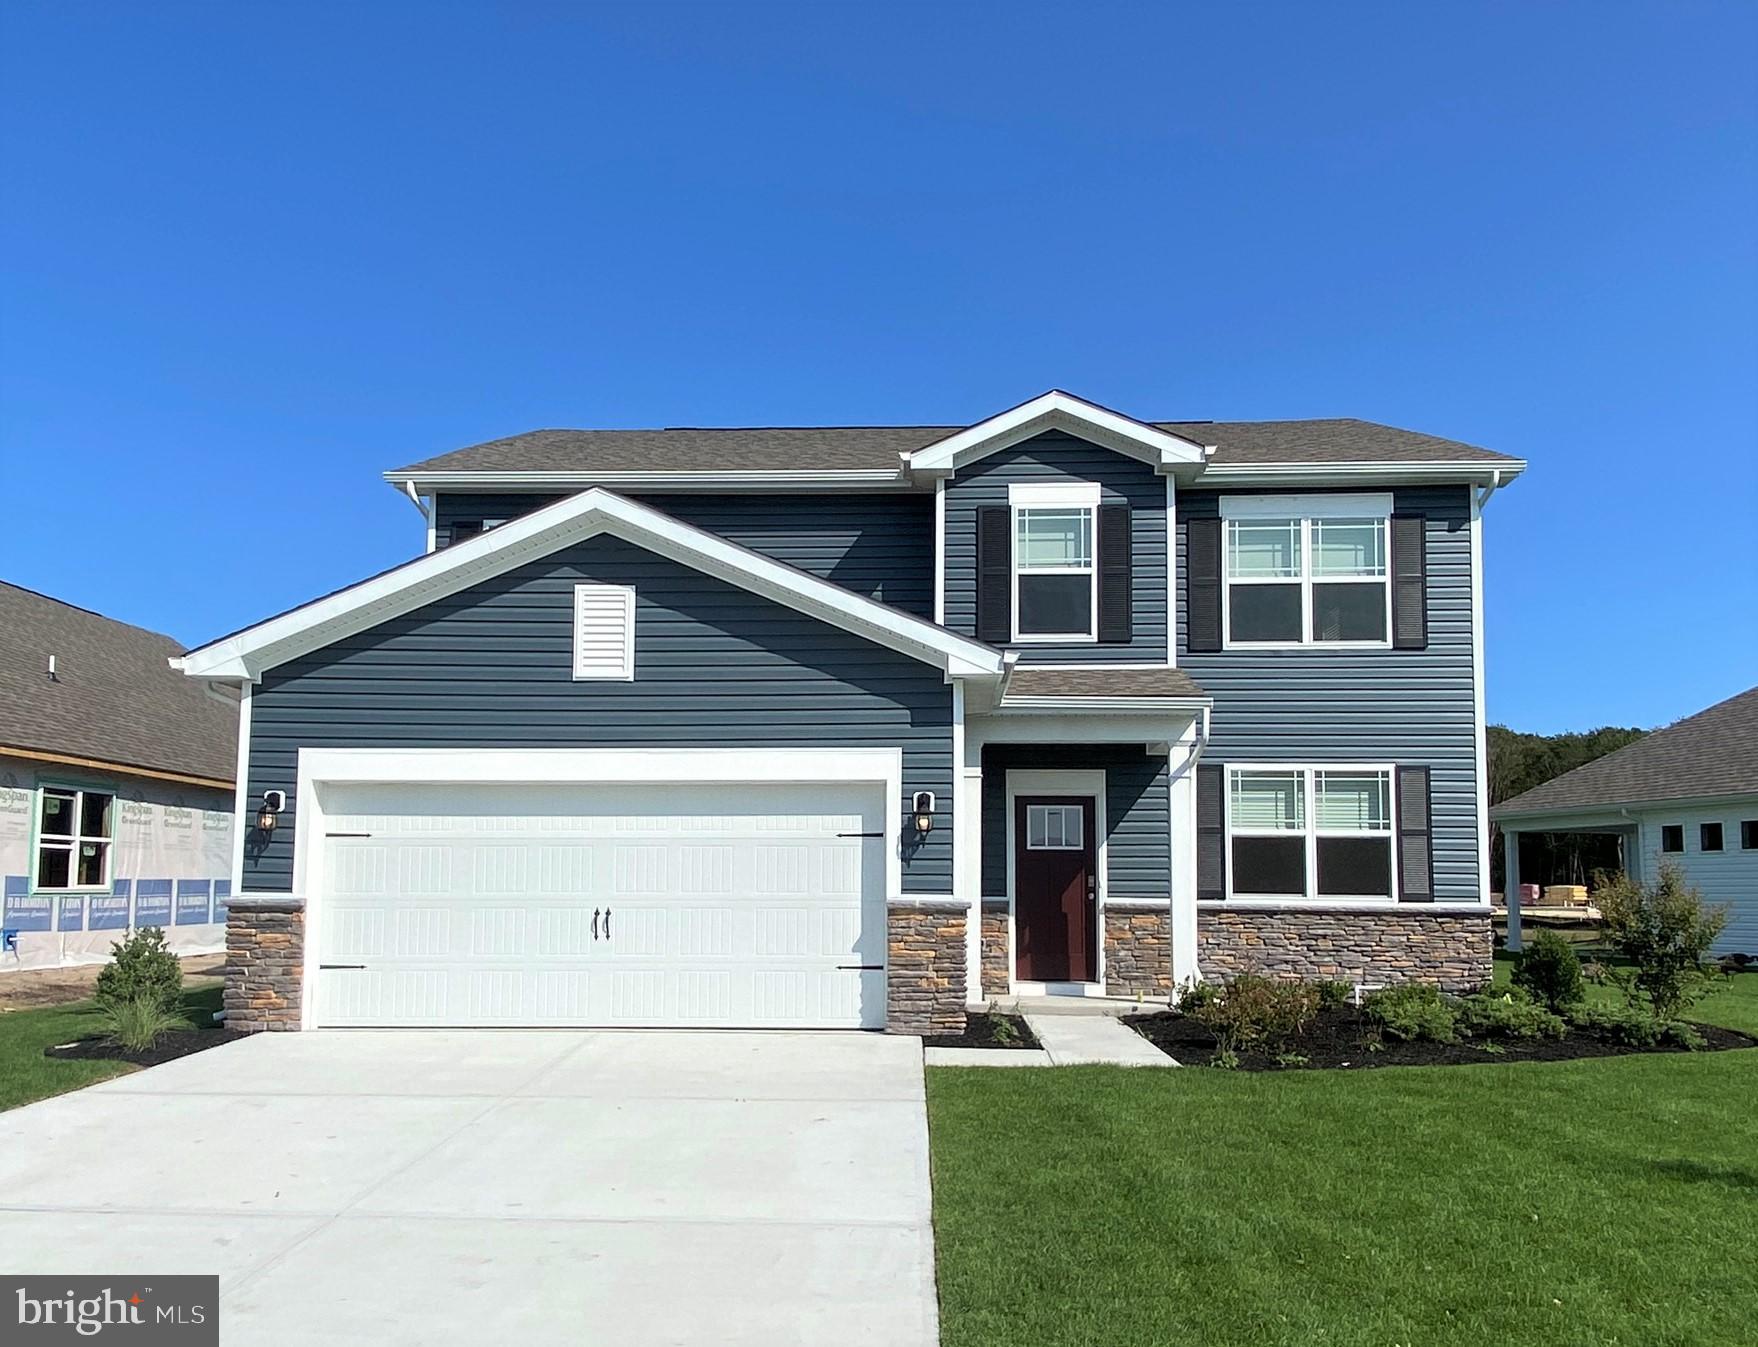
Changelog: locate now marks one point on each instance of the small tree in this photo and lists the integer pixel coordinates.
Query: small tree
(1550, 972)
(141, 966)
(1665, 932)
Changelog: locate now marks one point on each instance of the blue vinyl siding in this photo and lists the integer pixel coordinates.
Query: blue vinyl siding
(1053, 458)
(491, 667)
(1137, 812)
(1404, 706)
(880, 546)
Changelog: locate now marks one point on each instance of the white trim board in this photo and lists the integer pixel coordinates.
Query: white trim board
(1057, 410)
(248, 653)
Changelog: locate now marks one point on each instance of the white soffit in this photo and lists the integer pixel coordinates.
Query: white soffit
(1057, 410)
(246, 654)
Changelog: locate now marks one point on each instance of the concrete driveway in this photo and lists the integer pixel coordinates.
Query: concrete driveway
(510, 1186)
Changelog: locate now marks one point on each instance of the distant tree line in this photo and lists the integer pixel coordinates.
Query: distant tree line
(1517, 763)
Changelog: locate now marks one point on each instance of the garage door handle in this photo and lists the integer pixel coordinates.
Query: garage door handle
(607, 923)
(323, 966)
(860, 967)
(595, 923)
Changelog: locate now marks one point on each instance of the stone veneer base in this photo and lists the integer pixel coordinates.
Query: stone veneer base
(265, 965)
(1454, 950)
(996, 966)
(925, 971)
(1138, 952)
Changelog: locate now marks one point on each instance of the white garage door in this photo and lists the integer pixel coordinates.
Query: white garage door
(725, 905)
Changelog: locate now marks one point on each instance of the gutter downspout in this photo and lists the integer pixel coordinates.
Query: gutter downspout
(415, 499)
(1483, 495)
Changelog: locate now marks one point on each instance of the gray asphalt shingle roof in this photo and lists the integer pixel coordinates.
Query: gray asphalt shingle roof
(1060, 681)
(846, 448)
(114, 698)
(1714, 752)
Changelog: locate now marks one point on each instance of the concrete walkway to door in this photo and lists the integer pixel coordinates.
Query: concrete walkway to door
(429, 1187)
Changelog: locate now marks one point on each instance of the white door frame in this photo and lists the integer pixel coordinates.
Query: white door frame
(319, 767)
(1059, 781)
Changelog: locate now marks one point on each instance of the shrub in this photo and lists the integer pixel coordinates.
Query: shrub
(1635, 1026)
(1412, 1011)
(1255, 1014)
(1333, 995)
(1665, 932)
(140, 966)
(1195, 996)
(1487, 1015)
(1549, 969)
(138, 1022)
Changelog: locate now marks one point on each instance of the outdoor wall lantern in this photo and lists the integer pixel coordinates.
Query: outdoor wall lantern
(923, 807)
(273, 802)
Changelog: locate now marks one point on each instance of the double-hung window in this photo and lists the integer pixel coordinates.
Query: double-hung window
(74, 832)
(1055, 575)
(1307, 570)
(1310, 832)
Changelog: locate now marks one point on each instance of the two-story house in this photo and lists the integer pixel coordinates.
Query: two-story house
(858, 726)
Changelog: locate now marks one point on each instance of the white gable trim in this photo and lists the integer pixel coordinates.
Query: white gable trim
(246, 654)
(1057, 410)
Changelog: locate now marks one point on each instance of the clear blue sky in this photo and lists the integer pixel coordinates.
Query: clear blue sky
(255, 254)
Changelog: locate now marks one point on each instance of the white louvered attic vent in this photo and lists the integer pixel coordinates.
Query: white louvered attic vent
(604, 631)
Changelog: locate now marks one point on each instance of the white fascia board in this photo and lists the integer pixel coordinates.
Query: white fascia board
(1107, 705)
(1057, 410)
(1350, 474)
(1618, 814)
(808, 480)
(248, 653)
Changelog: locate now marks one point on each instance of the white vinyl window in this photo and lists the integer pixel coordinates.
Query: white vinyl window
(1055, 827)
(1308, 571)
(75, 829)
(1310, 832)
(1055, 575)
(604, 632)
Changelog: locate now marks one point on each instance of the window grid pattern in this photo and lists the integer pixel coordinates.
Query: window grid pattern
(1306, 581)
(74, 834)
(1319, 833)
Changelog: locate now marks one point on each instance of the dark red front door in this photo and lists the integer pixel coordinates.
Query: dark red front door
(1053, 889)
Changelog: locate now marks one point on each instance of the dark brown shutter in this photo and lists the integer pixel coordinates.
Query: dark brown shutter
(1415, 854)
(1114, 575)
(994, 574)
(1409, 583)
(1202, 585)
(1211, 832)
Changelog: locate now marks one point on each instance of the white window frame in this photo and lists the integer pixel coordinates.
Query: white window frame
(625, 671)
(1079, 812)
(1023, 498)
(1311, 832)
(1304, 511)
(72, 842)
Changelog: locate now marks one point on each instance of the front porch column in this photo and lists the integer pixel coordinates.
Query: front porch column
(1181, 770)
(1511, 885)
(967, 858)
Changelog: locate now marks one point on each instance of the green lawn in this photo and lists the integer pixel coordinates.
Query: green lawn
(26, 1075)
(1611, 1201)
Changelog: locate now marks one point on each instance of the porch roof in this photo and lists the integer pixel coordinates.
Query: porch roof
(1085, 680)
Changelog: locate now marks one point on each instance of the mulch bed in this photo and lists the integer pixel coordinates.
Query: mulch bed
(979, 1032)
(171, 1046)
(1339, 1038)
